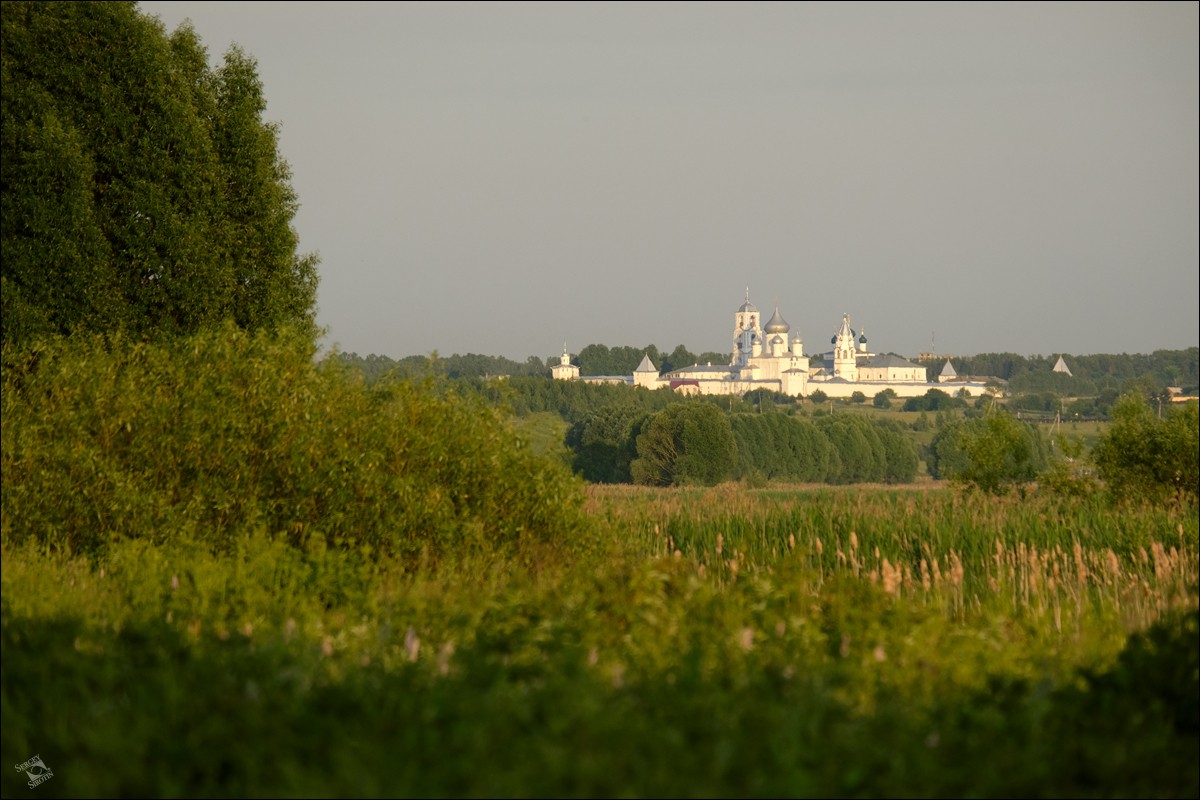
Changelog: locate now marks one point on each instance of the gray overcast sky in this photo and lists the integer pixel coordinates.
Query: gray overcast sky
(499, 178)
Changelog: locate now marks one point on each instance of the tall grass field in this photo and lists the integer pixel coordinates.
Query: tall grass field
(229, 571)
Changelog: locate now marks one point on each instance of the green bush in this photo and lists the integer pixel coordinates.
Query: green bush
(884, 398)
(228, 433)
(990, 453)
(1143, 456)
(933, 400)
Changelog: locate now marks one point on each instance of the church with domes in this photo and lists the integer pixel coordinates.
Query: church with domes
(771, 356)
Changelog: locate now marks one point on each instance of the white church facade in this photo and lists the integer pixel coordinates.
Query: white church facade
(770, 356)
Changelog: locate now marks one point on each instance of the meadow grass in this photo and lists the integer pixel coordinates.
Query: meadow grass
(784, 641)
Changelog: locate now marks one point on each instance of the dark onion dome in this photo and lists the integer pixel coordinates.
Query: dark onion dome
(776, 324)
(833, 340)
(862, 339)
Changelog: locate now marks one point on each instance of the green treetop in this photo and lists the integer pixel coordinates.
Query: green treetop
(143, 191)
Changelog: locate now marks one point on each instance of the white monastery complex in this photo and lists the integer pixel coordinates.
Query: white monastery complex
(770, 356)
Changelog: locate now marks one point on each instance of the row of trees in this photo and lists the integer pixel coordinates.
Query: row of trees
(696, 442)
(472, 365)
(595, 359)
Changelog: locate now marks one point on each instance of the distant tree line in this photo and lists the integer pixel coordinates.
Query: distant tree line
(373, 367)
(571, 400)
(599, 359)
(592, 360)
(1090, 374)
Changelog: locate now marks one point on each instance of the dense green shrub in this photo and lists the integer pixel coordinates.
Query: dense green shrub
(933, 400)
(1143, 456)
(227, 433)
(989, 453)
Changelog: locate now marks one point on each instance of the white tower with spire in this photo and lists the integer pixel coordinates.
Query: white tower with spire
(845, 352)
(564, 370)
(747, 335)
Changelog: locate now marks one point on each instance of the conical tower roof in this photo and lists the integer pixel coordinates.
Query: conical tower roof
(845, 331)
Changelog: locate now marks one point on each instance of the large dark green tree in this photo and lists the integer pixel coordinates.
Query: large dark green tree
(685, 443)
(142, 189)
(603, 443)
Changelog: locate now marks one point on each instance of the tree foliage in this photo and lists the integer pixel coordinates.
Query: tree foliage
(599, 359)
(1143, 456)
(574, 401)
(603, 443)
(862, 456)
(884, 398)
(471, 365)
(781, 447)
(933, 400)
(685, 443)
(991, 453)
(142, 190)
